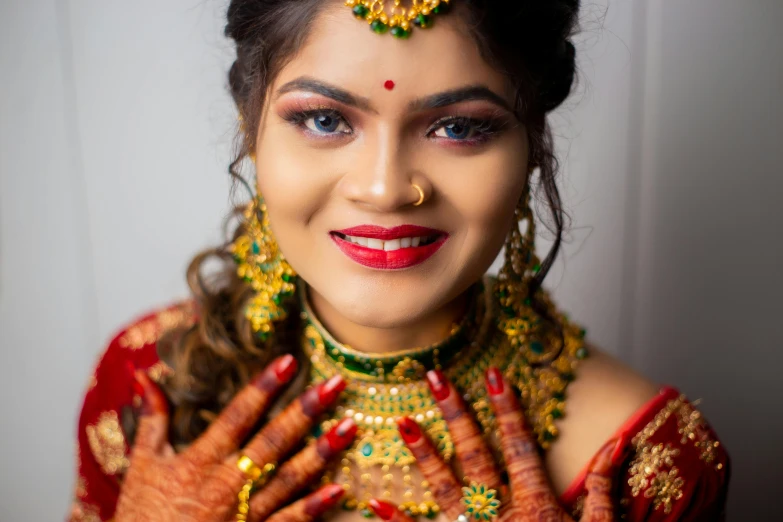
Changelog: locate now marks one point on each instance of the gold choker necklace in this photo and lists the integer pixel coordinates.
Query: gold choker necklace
(383, 388)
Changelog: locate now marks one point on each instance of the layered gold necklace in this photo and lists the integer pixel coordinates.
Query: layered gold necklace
(383, 388)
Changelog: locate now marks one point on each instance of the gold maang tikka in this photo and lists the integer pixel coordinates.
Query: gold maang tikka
(400, 20)
(262, 265)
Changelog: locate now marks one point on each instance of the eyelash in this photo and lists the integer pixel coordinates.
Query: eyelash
(484, 129)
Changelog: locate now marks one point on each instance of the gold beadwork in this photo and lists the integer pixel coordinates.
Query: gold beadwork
(259, 475)
(400, 20)
(376, 403)
(261, 264)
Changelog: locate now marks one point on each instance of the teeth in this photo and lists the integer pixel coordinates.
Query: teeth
(390, 245)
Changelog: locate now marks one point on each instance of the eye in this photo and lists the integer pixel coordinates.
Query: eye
(456, 130)
(465, 129)
(326, 123)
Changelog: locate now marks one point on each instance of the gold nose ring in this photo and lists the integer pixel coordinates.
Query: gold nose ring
(421, 195)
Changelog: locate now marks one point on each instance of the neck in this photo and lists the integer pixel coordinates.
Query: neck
(424, 331)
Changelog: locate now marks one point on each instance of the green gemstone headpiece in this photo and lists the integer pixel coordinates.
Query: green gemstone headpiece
(400, 21)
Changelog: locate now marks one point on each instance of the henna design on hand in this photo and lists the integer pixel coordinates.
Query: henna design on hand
(202, 483)
(531, 498)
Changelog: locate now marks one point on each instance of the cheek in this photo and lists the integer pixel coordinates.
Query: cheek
(291, 179)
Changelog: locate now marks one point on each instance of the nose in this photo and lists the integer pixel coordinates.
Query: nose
(383, 181)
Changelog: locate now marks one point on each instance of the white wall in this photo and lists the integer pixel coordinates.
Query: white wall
(115, 131)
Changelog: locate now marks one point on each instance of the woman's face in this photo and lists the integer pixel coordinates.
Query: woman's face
(350, 124)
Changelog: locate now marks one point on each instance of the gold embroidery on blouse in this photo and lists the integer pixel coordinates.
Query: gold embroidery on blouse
(692, 427)
(158, 371)
(82, 512)
(653, 472)
(150, 330)
(107, 443)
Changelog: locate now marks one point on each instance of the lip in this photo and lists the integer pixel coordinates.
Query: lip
(376, 232)
(389, 260)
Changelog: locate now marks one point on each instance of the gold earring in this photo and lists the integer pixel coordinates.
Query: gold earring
(519, 321)
(262, 265)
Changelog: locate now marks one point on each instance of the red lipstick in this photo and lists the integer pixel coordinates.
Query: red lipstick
(373, 256)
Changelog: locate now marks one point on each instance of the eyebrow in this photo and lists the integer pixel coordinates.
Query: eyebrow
(462, 94)
(434, 101)
(308, 84)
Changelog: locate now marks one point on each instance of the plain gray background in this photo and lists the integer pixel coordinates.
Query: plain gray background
(115, 132)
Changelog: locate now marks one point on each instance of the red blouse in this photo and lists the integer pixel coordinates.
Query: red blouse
(676, 468)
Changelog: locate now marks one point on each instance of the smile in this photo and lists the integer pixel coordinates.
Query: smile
(389, 248)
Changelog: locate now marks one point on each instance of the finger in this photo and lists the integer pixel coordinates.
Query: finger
(525, 468)
(152, 430)
(473, 454)
(235, 421)
(311, 507)
(302, 470)
(288, 429)
(386, 511)
(442, 483)
(598, 506)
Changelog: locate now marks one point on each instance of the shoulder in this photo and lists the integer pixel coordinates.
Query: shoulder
(102, 449)
(603, 397)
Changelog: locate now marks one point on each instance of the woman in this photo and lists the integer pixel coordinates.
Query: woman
(394, 164)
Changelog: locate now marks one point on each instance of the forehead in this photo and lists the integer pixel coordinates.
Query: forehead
(344, 51)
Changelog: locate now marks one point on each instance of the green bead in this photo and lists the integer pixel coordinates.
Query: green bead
(286, 278)
(276, 299)
(256, 248)
(536, 347)
(548, 436)
(581, 353)
(423, 21)
(367, 450)
(557, 414)
(360, 11)
(399, 32)
(442, 8)
(379, 27)
(366, 513)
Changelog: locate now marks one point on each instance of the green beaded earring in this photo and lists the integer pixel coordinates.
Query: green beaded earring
(262, 265)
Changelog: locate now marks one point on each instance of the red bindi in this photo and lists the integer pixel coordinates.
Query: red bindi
(389, 85)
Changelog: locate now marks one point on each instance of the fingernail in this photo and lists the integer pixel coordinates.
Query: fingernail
(494, 381)
(341, 436)
(329, 495)
(409, 430)
(383, 509)
(285, 368)
(138, 389)
(438, 384)
(329, 390)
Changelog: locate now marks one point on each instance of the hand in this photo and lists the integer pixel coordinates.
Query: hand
(529, 496)
(202, 483)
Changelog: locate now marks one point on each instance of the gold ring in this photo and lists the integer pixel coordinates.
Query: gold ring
(258, 474)
(421, 195)
(480, 502)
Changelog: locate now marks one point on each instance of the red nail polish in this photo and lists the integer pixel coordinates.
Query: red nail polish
(329, 495)
(341, 436)
(383, 509)
(438, 384)
(409, 430)
(138, 389)
(329, 390)
(494, 381)
(285, 368)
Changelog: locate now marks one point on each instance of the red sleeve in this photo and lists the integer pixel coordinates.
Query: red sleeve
(101, 449)
(675, 469)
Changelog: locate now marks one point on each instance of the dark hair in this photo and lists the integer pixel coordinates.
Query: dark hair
(527, 40)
